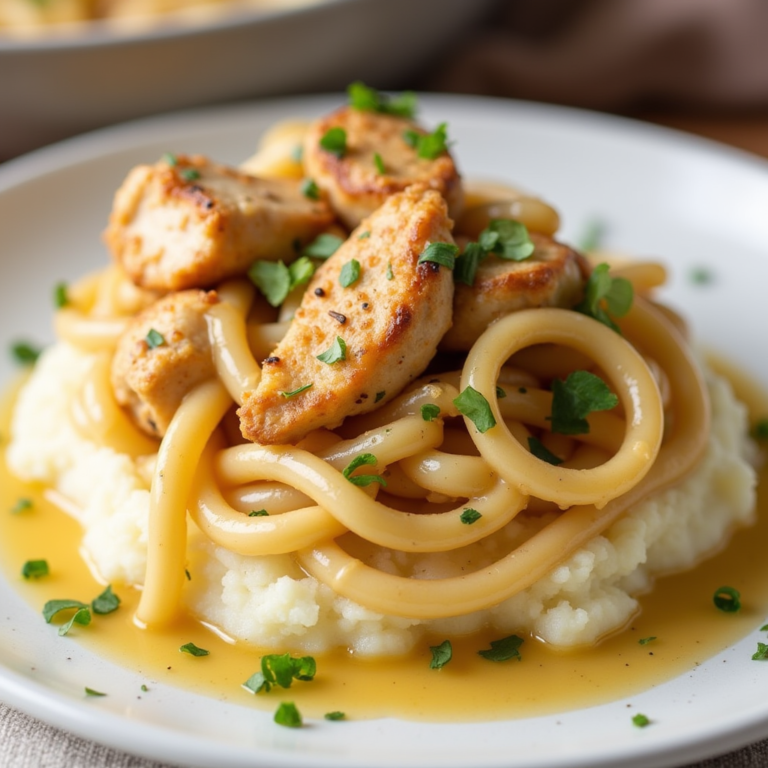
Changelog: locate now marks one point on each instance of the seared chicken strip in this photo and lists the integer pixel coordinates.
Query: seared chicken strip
(553, 276)
(161, 356)
(186, 222)
(388, 322)
(355, 185)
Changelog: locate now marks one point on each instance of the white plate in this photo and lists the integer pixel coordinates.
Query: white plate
(696, 204)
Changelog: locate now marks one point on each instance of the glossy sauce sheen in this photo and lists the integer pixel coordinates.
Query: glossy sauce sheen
(679, 613)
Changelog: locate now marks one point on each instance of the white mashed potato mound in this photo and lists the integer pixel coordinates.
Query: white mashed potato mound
(270, 602)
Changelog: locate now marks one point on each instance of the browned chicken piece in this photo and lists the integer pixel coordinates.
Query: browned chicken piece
(553, 276)
(161, 356)
(186, 222)
(390, 320)
(355, 185)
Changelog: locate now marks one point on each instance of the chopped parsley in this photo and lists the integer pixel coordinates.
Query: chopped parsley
(540, 451)
(189, 174)
(288, 715)
(379, 396)
(466, 265)
(364, 235)
(469, 516)
(646, 640)
(334, 715)
(575, 398)
(193, 650)
(379, 163)
(275, 280)
(350, 273)
(144, 687)
(297, 391)
(364, 459)
(761, 654)
(60, 298)
(508, 239)
(280, 670)
(258, 513)
(297, 153)
(310, 189)
(92, 692)
(106, 602)
(169, 158)
(606, 297)
(441, 654)
(503, 650)
(35, 569)
(154, 339)
(476, 408)
(323, 246)
(390, 273)
(501, 393)
(21, 505)
(428, 146)
(640, 720)
(430, 411)
(701, 276)
(334, 141)
(335, 353)
(367, 99)
(23, 352)
(727, 599)
(440, 253)
(81, 615)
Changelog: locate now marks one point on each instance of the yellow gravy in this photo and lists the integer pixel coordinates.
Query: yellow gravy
(679, 613)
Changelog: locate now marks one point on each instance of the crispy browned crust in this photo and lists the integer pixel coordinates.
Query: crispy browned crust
(172, 232)
(552, 277)
(151, 383)
(391, 326)
(353, 183)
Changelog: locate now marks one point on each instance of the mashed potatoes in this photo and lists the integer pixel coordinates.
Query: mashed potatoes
(269, 601)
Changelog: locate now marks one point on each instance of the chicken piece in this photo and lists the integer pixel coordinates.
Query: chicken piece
(553, 276)
(161, 356)
(186, 222)
(390, 318)
(354, 183)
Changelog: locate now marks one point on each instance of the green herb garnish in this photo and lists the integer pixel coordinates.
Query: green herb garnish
(189, 174)
(503, 650)
(334, 715)
(349, 273)
(276, 280)
(575, 398)
(23, 352)
(364, 459)
(701, 276)
(390, 273)
(761, 654)
(280, 670)
(258, 513)
(323, 246)
(428, 146)
(310, 189)
(760, 429)
(606, 297)
(297, 391)
(646, 640)
(641, 721)
(35, 569)
(430, 411)
(593, 236)
(106, 602)
(379, 163)
(466, 265)
(540, 451)
(335, 353)
(193, 650)
(501, 393)
(508, 239)
(469, 516)
(21, 505)
(476, 408)
(379, 396)
(370, 100)
(52, 607)
(288, 715)
(154, 339)
(60, 298)
(169, 158)
(335, 141)
(440, 253)
(364, 235)
(727, 599)
(92, 692)
(441, 654)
